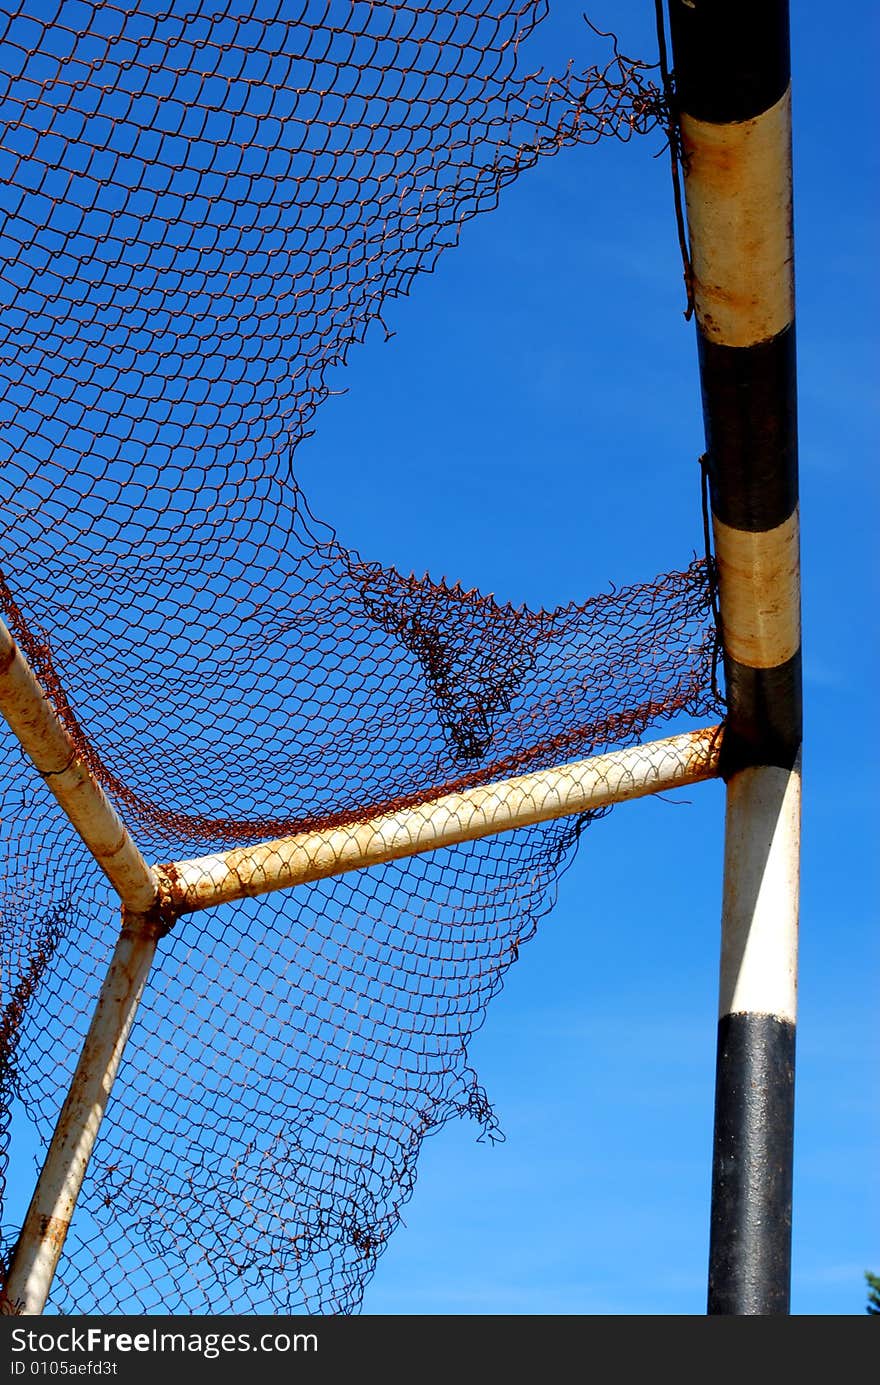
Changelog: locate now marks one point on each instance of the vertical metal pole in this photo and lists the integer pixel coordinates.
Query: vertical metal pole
(48, 745)
(732, 79)
(46, 1225)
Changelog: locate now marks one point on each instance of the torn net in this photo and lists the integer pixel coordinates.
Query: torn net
(207, 208)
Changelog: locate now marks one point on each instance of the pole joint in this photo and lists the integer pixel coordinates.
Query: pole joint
(157, 921)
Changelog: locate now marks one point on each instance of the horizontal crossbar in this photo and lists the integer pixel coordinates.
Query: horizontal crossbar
(445, 821)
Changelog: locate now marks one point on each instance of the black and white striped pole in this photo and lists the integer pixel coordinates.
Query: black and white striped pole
(733, 93)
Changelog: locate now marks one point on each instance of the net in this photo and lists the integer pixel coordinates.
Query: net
(208, 206)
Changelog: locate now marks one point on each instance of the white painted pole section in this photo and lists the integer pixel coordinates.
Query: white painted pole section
(739, 214)
(759, 944)
(445, 821)
(759, 582)
(44, 740)
(48, 1219)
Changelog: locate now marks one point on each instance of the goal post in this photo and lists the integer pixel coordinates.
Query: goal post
(733, 91)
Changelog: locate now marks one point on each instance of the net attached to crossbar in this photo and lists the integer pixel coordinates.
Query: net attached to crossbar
(208, 205)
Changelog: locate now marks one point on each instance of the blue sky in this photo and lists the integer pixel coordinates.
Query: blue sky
(533, 429)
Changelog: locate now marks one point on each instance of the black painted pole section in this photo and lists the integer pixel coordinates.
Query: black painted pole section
(732, 82)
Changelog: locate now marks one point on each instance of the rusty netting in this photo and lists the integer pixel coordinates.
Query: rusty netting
(207, 206)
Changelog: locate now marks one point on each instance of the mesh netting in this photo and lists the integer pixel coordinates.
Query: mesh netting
(206, 209)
